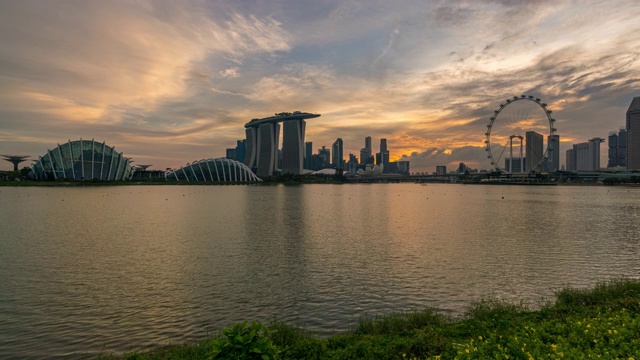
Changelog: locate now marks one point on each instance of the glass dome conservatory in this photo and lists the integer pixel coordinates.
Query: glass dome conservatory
(82, 160)
(216, 170)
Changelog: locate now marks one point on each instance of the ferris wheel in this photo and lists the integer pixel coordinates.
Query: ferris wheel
(516, 119)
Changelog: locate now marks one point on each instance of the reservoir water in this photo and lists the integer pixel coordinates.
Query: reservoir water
(90, 270)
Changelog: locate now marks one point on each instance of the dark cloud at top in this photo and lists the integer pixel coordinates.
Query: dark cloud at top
(174, 81)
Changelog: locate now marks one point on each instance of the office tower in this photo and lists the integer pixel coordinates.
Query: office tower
(534, 150)
(518, 163)
(613, 150)
(232, 154)
(571, 159)
(633, 135)
(293, 146)
(352, 164)
(441, 170)
(367, 145)
(617, 149)
(268, 135)
(553, 153)
(241, 150)
(308, 155)
(365, 155)
(587, 155)
(252, 147)
(384, 154)
(403, 167)
(325, 155)
(338, 154)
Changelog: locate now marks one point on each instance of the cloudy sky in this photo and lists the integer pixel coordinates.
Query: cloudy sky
(169, 82)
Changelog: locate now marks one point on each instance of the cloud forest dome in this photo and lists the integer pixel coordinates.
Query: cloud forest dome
(215, 170)
(82, 160)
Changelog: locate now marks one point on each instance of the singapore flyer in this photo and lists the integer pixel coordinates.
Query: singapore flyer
(521, 121)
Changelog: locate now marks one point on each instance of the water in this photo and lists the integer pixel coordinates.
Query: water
(93, 270)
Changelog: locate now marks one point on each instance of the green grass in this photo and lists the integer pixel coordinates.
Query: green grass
(601, 322)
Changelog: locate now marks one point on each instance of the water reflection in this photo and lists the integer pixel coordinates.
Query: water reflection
(85, 270)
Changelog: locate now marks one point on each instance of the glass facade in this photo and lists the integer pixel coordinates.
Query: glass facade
(216, 170)
(82, 160)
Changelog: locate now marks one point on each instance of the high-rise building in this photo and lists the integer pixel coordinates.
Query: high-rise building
(633, 134)
(325, 155)
(338, 154)
(553, 153)
(252, 148)
(384, 155)
(367, 145)
(517, 163)
(534, 150)
(441, 170)
(587, 155)
(403, 167)
(571, 160)
(241, 150)
(268, 135)
(308, 155)
(617, 149)
(365, 156)
(232, 154)
(352, 164)
(293, 146)
(263, 138)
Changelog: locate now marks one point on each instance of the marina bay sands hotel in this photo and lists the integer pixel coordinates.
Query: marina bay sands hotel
(262, 143)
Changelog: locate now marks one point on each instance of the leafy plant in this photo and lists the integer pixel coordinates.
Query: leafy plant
(245, 342)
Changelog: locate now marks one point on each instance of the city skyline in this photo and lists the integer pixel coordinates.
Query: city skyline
(170, 82)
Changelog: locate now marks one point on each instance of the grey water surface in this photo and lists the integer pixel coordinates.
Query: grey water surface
(91, 270)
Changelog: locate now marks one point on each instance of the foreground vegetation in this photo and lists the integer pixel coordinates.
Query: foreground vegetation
(603, 322)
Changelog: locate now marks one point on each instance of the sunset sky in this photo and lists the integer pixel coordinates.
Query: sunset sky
(169, 82)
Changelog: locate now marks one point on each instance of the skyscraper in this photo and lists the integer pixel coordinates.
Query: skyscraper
(633, 134)
(617, 149)
(308, 155)
(586, 155)
(241, 150)
(293, 146)
(384, 155)
(268, 134)
(553, 153)
(367, 145)
(338, 154)
(365, 156)
(325, 155)
(534, 150)
(571, 159)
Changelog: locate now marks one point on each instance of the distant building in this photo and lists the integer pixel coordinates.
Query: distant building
(441, 170)
(338, 154)
(325, 155)
(517, 162)
(553, 153)
(231, 154)
(534, 143)
(367, 145)
(384, 155)
(617, 154)
(365, 156)
(571, 160)
(293, 146)
(587, 155)
(404, 167)
(308, 155)
(241, 150)
(633, 135)
(352, 164)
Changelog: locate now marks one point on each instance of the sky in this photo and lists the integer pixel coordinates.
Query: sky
(170, 82)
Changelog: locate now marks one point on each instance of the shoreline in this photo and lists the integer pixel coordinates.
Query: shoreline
(603, 321)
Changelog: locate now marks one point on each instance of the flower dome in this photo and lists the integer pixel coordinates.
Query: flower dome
(82, 160)
(216, 170)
